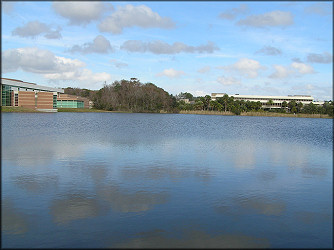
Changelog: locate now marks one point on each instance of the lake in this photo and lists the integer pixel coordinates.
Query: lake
(112, 180)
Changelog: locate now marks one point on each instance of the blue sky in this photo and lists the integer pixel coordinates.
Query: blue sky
(264, 48)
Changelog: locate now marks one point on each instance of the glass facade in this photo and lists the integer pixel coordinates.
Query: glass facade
(54, 101)
(70, 104)
(5, 95)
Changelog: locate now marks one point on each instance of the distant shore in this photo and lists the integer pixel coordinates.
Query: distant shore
(264, 113)
(195, 112)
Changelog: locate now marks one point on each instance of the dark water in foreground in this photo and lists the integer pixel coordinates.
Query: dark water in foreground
(165, 180)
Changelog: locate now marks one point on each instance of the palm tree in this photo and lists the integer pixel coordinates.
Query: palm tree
(269, 103)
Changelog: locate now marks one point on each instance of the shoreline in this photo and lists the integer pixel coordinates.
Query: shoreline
(193, 112)
(264, 113)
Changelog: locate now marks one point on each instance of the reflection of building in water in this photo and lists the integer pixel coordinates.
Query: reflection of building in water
(17, 93)
(276, 100)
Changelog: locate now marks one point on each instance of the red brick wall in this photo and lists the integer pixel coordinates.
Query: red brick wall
(45, 100)
(27, 99)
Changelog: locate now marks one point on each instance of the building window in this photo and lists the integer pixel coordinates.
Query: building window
(16, 99)
(54, 101)
(6, 98)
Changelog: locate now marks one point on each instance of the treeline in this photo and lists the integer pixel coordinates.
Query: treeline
(227, 103)
(128, 95)
(134, 96)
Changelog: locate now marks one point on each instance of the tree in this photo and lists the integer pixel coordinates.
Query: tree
(292, 104)
(284, 104)
(270, 103)
(299, 107)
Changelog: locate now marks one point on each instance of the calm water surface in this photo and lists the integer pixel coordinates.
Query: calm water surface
(102, 180)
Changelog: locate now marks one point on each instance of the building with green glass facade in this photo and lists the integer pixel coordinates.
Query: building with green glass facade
(18, 93)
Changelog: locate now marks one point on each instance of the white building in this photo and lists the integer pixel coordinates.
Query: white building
(277, 100)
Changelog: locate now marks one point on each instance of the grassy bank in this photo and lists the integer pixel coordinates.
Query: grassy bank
(196, 112)
(264, 113)
(18, 110)
(80, 110)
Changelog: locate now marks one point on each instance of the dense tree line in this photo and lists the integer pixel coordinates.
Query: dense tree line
(227, 103)
(133, 96)
(80, 92)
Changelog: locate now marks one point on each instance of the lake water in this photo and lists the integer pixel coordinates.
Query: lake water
(102, 180)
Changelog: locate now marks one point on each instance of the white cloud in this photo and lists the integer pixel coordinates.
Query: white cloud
(246, 67)
(281, 72)
(302, 68)
(79, 13)
(228, 81)
(274, 18)
(130, 16)
(294, 69)
(231, 14)
(160, 47)
(49, 65)
(269, 50)
(100, 45)
(171, 73)
(35, 28)
(118, 64)
(204, 69)
(322, 9)
(82, 75)
(320, 58)
(197, 93)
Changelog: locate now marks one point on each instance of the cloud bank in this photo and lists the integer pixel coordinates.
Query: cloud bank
(34, 28)
(130, 16)
(100, 45)
(79, 13)
(270, 19)
(160, 47)
(171, 73)
(53, 67)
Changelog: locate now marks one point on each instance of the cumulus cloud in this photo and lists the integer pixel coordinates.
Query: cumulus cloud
(35, 28)
(322, 9)
(320, 58)
(53, 34)
(274, 18)
(294, 69)
(171, 73)
(118, 64)
(228, 81)
(79, 13)
(281, 72)
(203, 70)
(246, 67)
(231, 14)
(44, 62)
(269, 50)
(160, 47)
(302, 68)
(130, 16)
(100, 45)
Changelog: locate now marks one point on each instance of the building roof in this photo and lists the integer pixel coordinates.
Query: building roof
(28, 85)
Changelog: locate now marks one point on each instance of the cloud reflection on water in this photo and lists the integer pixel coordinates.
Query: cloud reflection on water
(125, 202)
(36, 183)
(74, 207)
(12, 221)
(194, 239)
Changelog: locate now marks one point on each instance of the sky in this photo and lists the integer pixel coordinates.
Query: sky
(246, 47)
